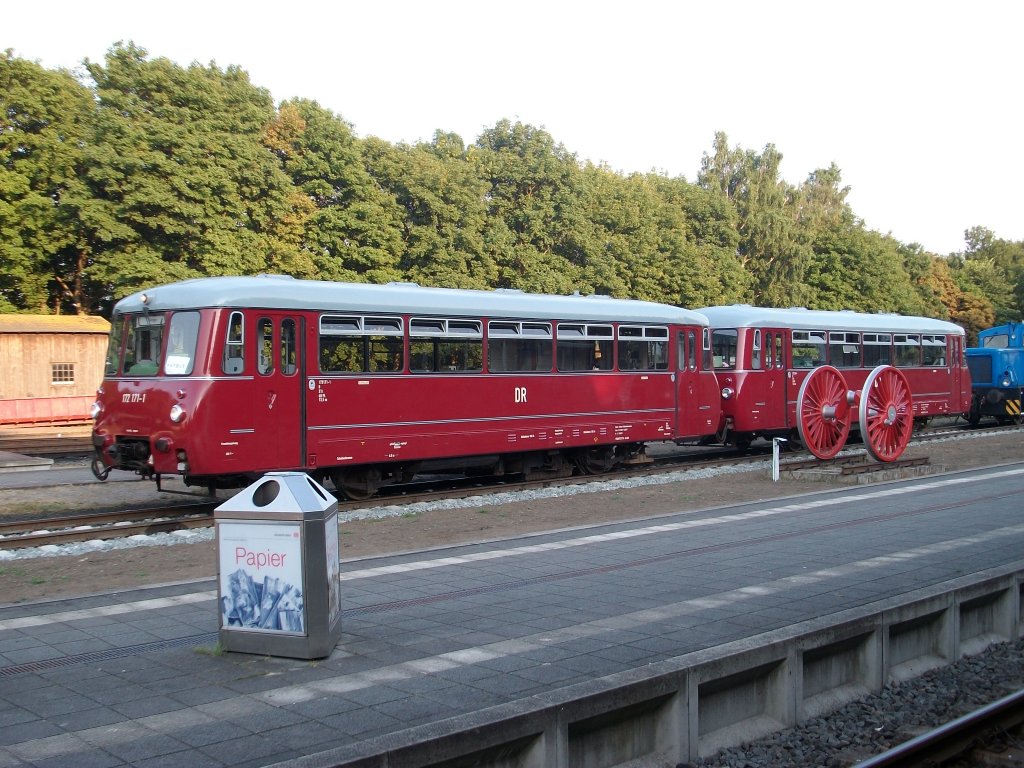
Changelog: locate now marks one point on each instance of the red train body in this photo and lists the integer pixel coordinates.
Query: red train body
(373, 384)
(764, 358)
(218, 380)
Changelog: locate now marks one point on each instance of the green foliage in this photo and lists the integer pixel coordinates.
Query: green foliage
(43, 118)
(154, 172)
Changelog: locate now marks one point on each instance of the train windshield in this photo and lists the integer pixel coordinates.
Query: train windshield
(181, 343)
(137, 344)
(144, 336)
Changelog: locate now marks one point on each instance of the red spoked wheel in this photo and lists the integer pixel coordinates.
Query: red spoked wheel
(823, 412)
(886, 413)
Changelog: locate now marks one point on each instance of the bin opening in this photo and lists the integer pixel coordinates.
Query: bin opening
(266, 493)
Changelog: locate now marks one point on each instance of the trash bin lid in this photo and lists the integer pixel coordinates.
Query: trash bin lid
(279, 493)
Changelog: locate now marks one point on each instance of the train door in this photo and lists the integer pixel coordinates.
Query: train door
(698, 401)
(278, 401)
(959, 384)
(776, 391)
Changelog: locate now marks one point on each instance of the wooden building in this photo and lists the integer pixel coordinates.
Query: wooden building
(51, 366)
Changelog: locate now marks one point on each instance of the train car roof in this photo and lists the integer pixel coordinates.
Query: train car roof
(285, 293)
(746, 316)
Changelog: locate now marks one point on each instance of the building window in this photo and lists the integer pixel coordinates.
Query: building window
(62, 373)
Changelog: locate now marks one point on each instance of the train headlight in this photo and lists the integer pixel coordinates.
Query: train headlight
(95, 410)
(177, 413)
(727, 392)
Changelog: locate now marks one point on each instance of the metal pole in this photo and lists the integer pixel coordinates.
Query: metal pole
(776, 442)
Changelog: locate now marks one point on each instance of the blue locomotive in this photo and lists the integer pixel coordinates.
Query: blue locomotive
(997, 373)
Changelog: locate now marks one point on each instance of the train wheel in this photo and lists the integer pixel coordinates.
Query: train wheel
(358, 483)
(823, 412)
(886, 413)
(595, 461)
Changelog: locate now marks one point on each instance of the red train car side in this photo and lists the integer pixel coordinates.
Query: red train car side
(810, 375)
(218, 380)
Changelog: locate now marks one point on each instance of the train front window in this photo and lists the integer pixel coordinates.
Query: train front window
(723, 344)
(181, 343)
(143, 344)
(114, 346)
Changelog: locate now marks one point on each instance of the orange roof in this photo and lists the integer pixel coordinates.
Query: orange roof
(53, 324)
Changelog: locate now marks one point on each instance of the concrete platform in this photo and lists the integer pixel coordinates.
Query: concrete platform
(658, 640)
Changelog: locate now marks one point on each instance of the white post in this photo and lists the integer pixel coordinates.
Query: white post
(776, 442)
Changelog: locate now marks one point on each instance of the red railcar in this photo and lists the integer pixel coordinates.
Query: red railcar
(218, 380)
(810, 375)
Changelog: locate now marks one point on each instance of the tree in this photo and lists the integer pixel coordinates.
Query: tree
(532, 187)
(771, 246)
(178, 182)
(1001, 278)
(353, 231)
(44, 118)
(443, 211)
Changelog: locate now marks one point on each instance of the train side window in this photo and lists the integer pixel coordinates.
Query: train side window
(289, 353)
(583, 347)
(808, 349)
(643, 348)
(181, 343)
(933, 351)
(234, 345)
(438, 345)
(755, 352)
(908, 349)
(877, 349)
(265, 346)
(521, 347)
(780, 356)
(844, 349)
(706, 349)
(361, 344)
(723, 341)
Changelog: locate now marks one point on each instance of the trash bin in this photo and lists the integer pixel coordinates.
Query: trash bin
(277, 568)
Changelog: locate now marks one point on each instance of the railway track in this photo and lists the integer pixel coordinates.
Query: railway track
(69, 445)
(966, 741)
(122, 523)
(110, 524)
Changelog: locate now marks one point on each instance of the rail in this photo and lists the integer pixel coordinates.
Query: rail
(954, 739)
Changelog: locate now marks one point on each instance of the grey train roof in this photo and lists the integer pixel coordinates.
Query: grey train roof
(283, 292)
(746, 316)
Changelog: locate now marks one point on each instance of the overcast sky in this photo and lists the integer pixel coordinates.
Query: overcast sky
(918, 103)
